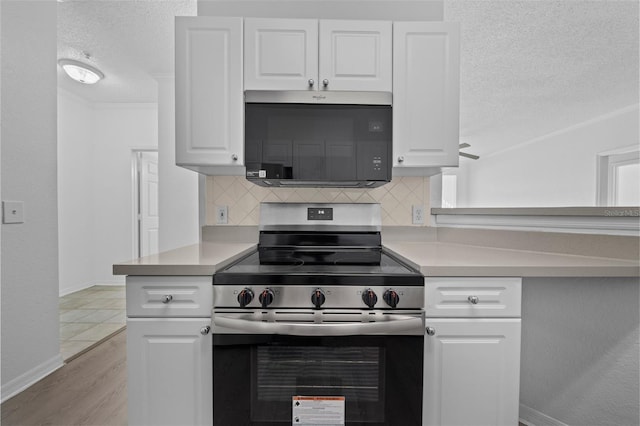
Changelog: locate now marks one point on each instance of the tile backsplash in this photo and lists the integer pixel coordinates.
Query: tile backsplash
(243, 198)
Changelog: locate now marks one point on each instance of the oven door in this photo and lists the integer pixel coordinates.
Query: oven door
(264, 364)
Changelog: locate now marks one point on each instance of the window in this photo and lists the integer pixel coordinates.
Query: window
(619, 178)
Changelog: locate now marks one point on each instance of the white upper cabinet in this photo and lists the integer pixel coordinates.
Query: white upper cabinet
(209, 102)
(426, 94)
(307, 54)
(280, 54)
(355, 55)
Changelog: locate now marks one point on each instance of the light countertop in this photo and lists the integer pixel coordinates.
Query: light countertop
(197, 259)
(447, 259)
(431, 258)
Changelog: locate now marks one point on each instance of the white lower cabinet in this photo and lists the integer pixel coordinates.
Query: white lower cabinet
(472, 372)
(472, 356)
(169, 358)
(170, 372)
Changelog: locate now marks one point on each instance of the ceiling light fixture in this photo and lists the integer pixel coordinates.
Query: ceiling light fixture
(80, 72)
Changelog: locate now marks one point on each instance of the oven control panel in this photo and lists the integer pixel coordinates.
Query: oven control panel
(326, 297)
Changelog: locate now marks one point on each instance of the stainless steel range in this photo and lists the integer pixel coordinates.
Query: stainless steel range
(320, 325)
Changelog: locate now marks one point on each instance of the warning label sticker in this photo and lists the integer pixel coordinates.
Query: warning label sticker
(318, 410)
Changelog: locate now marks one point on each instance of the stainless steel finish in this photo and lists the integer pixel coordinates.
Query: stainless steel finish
(322, 183)
(167, 298)
(295, 214)
(336, 297)
(311, 82)
(314, 97)
(401, 159)
(313, 322)
(234, 157)
(473, 300)
(431, 331)
(325, 82)
(205, 330)
(319, 228)
(318, 183)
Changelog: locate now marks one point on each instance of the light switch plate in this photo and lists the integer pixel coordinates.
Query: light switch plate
(221, 215)
(12, 212)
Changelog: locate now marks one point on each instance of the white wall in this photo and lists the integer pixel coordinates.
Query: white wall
(95, 143)
(392, 10)
(119, 128)
(580, 350)
(29, 320)
(75, 192)
(555, 170)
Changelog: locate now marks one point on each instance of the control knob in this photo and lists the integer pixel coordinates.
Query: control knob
(266, 297)
(245, 297)
(317, 298)
(391, 297)
(369, 298)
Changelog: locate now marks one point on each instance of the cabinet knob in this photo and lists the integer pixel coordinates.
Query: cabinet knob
(311, 82)
(167, 298)
(401, 159)
(431, 331)
(325, 82)
(473, 300)
(205, 330)
(234, 157)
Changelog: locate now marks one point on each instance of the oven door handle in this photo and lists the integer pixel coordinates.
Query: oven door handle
(399, 324)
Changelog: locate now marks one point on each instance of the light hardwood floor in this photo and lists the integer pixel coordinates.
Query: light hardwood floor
(89, 390)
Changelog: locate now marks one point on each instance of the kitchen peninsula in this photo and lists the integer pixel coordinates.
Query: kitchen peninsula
(579, 312)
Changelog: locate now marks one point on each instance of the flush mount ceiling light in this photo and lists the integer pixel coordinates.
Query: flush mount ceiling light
(80, 72)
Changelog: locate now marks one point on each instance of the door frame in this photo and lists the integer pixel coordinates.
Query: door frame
(136, 153)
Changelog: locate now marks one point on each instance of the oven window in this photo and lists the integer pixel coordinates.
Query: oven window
(255, 377)
(357, 373)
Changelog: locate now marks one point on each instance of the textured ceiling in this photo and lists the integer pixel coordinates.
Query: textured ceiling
(528, 68)
(129, 41)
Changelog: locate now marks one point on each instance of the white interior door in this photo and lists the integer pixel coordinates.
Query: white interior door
(148, 207)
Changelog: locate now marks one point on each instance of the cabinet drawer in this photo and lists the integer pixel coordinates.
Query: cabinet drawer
(169, 296)
(473, 297)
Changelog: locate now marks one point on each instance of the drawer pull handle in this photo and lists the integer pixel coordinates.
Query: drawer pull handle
(473, 300)
(167, 298)
(431, 331)
(205, 330)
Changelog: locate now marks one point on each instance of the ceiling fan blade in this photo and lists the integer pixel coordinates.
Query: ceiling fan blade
(464, 154)
(464, 145)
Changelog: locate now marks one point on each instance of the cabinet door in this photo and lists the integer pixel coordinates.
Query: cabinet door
(472, 372)
(209, 98)
(426, 86)
(280, 54)
(169, 366)
(355, 55)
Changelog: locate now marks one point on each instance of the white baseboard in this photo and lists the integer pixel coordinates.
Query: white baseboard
(531, 417)
(30, 377)
(69, 290)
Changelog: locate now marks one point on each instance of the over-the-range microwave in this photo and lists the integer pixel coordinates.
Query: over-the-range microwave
(318, 138)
